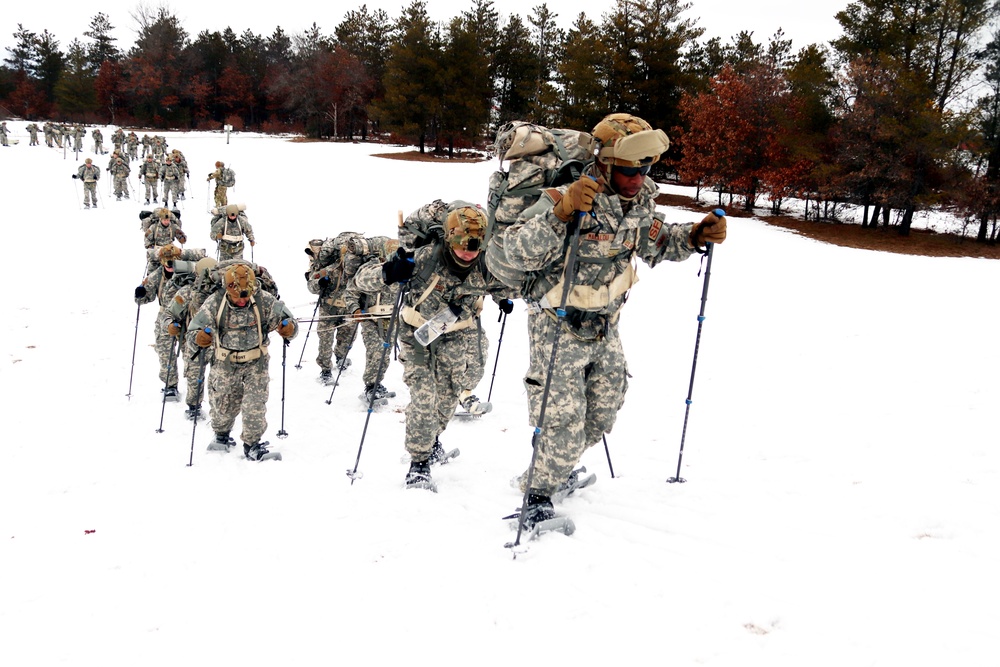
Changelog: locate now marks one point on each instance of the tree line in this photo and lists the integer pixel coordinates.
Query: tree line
(899, 114)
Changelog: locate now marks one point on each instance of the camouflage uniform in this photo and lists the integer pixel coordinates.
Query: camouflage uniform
(220, 190)
(98, 141)
(161, 228)
(329, 280)
(120, 172)
(146, 145)
(180, 311)
(149, 172)
(163, 288)
(3, 134)
(171, 175)
(118, 139)
(178, 158)
(89, 173)
(379, 302)
(78, 134)
(133, 145)
(589, 377)
(33, 133)
(437, 374)
(237, 386)
(229, 232)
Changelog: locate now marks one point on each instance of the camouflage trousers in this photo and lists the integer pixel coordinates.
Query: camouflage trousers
(373, 333)
(121, 186)
(90, 193)
(327, 330)
(99, 148)
(166, 350)
(193, 375)
(170, 186)
(220, 195)
(435, 376)
(239, 389)
(229, 249)
(589, 381)
(150, 188)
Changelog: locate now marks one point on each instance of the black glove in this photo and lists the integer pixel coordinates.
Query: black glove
(507, 306)
(399, 269)
(140, 291)
(75, 176)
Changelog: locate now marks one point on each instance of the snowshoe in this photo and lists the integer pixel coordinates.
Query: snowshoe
(222, 443)
(439, 455)
(193, 413)
(372, 396)
(343, 363)
(325, 377)
(171, 394)
(540, 518)
(576, 480)
(419, 476)
(470, 407)
(259, 452)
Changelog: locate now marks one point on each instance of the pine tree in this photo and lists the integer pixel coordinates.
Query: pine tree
(103, 49)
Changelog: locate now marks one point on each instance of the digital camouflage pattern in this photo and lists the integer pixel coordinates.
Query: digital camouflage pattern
(423, 226)
(162, 228)
(380, 301)
(149, 172)
(238, 388)
(119, 173)
(589, 377)
(229, 234)
(455, 361)
(220, 190)
(170, 174)
(90, 174)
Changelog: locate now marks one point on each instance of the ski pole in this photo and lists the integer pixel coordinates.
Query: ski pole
(503, 319)
(134, 342)
(574, 246)
(298, 366)
(607, 453)
(282, 433)
(343, 364)
(391, 334)
(201, 383)
(694, 362)
(166, 385)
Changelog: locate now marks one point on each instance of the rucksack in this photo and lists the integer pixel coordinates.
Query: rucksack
(540, 158)
(228, 177)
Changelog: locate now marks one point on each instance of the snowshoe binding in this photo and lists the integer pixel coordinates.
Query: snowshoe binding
(578, 479)
(470, 407)
(540, 518)
(222, 443)
(376, 395)
(193, 413)
(419, 476)
(171, 394)
(259, 452)
(439, 455)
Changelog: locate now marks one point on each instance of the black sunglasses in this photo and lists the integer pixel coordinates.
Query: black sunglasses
(629, 172)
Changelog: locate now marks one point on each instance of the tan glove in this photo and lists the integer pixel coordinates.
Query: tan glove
(578, 197)
(286, 329)
(174, 329)
(712, 229)
(203, 339)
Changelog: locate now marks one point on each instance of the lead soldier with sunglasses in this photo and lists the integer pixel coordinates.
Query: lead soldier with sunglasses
(613, 205)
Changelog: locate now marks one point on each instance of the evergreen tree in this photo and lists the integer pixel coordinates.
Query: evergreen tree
(23, 55)
(74, 92)
(516, 72)
(49, 61)
(367, 36)
(579, 75)
(547, 39)
(467, 88)
(103, 48)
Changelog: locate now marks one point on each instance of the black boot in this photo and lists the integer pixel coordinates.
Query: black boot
(419, 476)
(222, 443)
(539, 509)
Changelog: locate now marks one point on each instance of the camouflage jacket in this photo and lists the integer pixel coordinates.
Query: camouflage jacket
(157, 234)
(164, 290)
(120, 170)
(89, 174)
(416, 230)
(170, 171)
(149, 170)
(610, 239)
(240, 329)
(437, 284)
(224, 230)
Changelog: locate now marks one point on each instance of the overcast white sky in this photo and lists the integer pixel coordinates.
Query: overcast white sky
(803, 22)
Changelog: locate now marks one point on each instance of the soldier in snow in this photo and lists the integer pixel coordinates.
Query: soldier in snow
(232, 326)
(89, 173)
(229, 225)
(442, 345)
(613, 205)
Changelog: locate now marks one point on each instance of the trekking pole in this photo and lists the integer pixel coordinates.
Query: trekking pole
(166, 384)
(343, 364)
(503, 319)
(134, 342)
(391, 334)
(298, 366)
(694, 362)
(607, 453)
(200, 355)
(282, 433)
(574, 246)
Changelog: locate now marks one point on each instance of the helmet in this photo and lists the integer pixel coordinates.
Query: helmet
(169, 253)
(220, 165)
(465, 227)
(88, 161)
(629, 141)
(240, 282)
(232, 209)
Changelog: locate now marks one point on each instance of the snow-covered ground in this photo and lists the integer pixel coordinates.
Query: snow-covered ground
(842, 502)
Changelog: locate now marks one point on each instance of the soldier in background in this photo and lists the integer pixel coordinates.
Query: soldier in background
(32, 129)
(120, 172)
(149, 173)
(3, 134)
(220, 186)
(161, 227)
(89, 173)
(98, 141)
(228, 227)
(133, 145)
